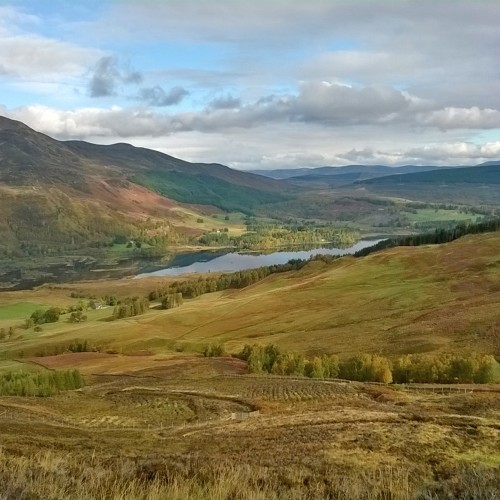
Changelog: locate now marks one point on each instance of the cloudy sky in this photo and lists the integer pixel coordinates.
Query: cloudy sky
(260, 83)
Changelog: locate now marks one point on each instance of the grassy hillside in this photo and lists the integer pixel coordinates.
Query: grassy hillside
(404, 300)
(204, 189)
(59, 196)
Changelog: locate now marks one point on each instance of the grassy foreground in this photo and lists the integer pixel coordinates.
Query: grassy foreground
(199, 428)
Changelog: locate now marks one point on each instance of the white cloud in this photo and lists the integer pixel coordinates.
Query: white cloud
(31, 57)
(472, 118)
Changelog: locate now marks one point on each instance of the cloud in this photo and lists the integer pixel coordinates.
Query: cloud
(270, 145)
(434, 154)
(225, 102)
(471, 118)
(156, 96)
(108, 74)
(12, 18)
(31, 56)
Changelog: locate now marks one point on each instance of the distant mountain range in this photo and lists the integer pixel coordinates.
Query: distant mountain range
(352, 175)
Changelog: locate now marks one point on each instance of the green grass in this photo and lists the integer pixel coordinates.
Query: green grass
(13, 365)
(441, 215)
(19, 310)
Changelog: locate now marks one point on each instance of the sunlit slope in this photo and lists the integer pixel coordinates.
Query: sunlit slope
(435, 298)
(405, 300)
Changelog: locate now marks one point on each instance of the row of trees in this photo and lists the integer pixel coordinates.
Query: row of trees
(239, 279)
(41, 384)
(438, 236)
(281, 237)
(444, 368)
(172, 300)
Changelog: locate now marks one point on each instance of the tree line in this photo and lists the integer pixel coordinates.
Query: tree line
(239, 279)
(281, 237)
(416, 368)
(438, 236)
(41, 384)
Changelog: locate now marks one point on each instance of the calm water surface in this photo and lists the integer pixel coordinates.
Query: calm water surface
(206, 261)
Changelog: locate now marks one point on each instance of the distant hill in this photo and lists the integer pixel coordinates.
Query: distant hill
(57, 195)
(339, 176)
(480, 185)
(486, 174)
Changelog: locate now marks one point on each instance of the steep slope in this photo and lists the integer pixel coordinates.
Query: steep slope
(134, 160)
(198, 183)
(28, 157)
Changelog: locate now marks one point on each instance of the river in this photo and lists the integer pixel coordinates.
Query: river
(223, 261)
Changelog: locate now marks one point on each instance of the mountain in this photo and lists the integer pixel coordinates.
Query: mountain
(60, 195)
(281, 173)
(339, 176)
(474, 185)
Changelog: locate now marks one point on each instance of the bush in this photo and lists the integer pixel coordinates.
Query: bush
(39, 317)
(214, 351)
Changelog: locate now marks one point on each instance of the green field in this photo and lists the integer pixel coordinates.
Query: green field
(18, 310)
(440, 215)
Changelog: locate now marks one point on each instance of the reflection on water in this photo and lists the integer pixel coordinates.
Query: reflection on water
(219, 261)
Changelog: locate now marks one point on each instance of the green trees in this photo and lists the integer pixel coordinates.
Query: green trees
(438, 236)
(444, 368)
(131, 307)
(77, 317)
(39, 317)
(41, 384)
(366, 368)
(172, 300)
(193, 288)
(262, 236)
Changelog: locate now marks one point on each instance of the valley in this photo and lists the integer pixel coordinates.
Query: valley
(291, 375)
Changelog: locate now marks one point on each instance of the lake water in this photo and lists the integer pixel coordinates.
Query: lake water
(223, 261)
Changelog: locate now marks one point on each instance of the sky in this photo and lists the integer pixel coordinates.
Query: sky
(260, 84)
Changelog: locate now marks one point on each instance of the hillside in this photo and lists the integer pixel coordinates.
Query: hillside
(339, 176)
(158, 419)
(479, 185)
(437, 298)
(61, 196)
